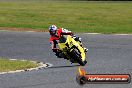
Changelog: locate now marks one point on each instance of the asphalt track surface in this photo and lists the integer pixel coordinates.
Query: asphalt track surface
(108, 54)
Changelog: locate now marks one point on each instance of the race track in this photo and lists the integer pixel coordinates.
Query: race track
(107, 54)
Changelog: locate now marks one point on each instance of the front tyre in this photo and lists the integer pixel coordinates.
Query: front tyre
(76, 56)
(82, 63)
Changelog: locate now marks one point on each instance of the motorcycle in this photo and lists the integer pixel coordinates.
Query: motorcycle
(72, 50)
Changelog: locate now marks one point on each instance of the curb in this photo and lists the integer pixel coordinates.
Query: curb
(41, 66)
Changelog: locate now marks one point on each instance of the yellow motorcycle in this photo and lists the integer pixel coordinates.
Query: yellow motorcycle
(72, 50)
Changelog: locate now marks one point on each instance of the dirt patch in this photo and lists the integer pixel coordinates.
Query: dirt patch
(22, 29)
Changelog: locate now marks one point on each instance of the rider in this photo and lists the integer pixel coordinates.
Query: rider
(55, 36)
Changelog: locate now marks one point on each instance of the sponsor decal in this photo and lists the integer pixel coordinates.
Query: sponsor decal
(83, 78)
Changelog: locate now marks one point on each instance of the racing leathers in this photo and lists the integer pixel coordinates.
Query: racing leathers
(54, 39)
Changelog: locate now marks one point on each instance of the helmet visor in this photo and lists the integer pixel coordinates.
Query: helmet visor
(52, 32)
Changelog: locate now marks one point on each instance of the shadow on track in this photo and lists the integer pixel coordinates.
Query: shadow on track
(64, 66)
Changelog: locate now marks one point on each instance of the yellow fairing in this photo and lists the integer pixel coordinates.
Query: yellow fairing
(79, 47)
(62, 46)
(72, 42)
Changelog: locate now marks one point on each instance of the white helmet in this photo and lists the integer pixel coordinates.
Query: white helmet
(52, 29)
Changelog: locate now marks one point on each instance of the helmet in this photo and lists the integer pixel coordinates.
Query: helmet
(52, 29)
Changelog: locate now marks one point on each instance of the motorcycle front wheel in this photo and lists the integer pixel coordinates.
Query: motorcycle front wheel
(77, 57)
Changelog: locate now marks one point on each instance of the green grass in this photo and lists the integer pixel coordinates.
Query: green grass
(12, 65)
(101, 17)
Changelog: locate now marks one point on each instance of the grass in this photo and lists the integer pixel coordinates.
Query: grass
(12, 65)
(101, 17)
